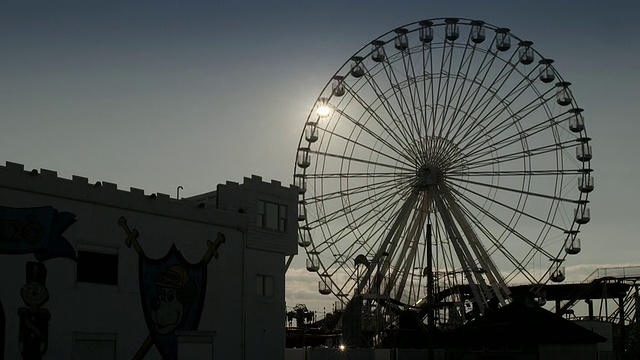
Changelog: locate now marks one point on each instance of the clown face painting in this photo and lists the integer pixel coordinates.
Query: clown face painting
(172, 292)
(175, 293)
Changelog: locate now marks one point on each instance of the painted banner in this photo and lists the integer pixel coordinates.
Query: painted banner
(35, 230)
(172, 292)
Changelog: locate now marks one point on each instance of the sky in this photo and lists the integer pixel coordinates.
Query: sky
(160, 94)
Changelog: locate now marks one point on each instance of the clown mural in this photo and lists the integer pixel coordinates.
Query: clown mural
(171, 291)
(174, 295)
(34, 320)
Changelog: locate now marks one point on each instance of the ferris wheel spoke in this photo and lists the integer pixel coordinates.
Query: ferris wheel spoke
(385, 102)
(517, 211)
(478, 161)
(417, 104)
(501, 223)
(513, 173)
(445, 100)
(492, 147)
(407, 110)
(468, 55)
(487, 92)
(399, 139)
(444, 61)
(360, 146)
(385, 212)
(356, 190)
(367, 226)
(468, 98)
(423, 92)
(388, 212)
(490, 102)
(373, 134)
(430, 91)
(418, 95)
(522, 191)
(350, 252)
(508, 158)
(388, 188)
(358, 175)
(357, 160)
(499, 245)
(401, 116)
(478, 134)
(391, 192)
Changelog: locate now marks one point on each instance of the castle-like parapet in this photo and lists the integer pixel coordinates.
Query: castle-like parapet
(267, 210)
(19, 178)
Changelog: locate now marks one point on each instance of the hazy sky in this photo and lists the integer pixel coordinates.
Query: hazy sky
(160, 94)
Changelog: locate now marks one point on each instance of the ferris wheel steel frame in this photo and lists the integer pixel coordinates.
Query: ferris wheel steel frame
(435, 124)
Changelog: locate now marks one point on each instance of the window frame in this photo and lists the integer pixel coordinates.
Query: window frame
(265, 286)
(267, 220)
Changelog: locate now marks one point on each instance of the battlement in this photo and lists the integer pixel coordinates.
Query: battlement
(256, 181)
(13, 176)
(15, 169)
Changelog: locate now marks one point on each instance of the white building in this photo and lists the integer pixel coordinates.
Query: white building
(95, 303)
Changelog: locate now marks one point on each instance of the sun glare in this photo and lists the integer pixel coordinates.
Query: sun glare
(323, 110)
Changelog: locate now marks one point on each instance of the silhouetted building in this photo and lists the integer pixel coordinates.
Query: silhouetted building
(129, 273)
(523, 332)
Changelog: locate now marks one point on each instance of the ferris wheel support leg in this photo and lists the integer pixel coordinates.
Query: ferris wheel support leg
(469, 268)
(393, 234)
(403, 268)
(288, 263)
(501, 290)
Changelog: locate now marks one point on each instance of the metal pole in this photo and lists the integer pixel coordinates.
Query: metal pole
(590, 304)
(430, 314)
(623, 333)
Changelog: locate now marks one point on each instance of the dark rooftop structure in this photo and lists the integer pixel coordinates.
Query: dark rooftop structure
(521, 330)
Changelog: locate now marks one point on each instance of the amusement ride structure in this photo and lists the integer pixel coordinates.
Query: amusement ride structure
(443, 162)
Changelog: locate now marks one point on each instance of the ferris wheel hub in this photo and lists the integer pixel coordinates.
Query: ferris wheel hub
(437, 155)
(429, 176)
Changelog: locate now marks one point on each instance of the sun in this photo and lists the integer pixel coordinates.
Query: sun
(322, 108)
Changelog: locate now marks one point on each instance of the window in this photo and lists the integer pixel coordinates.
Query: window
(264, 285)
(272, 216)
(97, 267)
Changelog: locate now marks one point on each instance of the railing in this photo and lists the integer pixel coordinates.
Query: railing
(625, 272)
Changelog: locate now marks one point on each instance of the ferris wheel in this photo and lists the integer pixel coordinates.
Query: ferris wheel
(449, 148)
